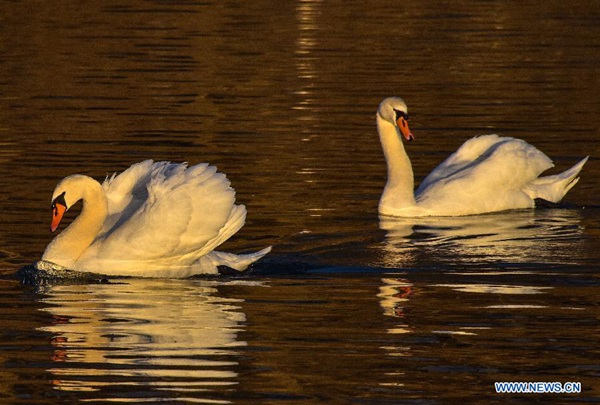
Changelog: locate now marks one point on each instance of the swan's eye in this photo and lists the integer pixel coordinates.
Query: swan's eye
(58, 200)
(400, 114)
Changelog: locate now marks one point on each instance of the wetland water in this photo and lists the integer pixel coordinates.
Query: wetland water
(281, 96)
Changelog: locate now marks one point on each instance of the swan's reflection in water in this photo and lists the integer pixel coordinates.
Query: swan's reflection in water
(175, 339)
(394, 294)
(532, 236)
(481, 264)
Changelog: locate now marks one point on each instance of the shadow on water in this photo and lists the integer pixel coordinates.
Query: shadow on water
(532, 240)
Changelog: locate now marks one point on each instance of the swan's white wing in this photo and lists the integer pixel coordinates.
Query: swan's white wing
(185, 209)
(486, 174)
(469, 152)
(127, 192)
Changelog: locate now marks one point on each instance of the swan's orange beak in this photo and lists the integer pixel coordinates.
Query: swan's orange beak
(58, 210)
(403, 125)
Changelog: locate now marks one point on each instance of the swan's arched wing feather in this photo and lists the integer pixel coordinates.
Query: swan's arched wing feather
(185, 209)
(127, 192)
(464, 156)
(496, 176)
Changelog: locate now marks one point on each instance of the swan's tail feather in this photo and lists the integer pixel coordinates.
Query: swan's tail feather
(238, 262)
(208, 263)
(553, 188)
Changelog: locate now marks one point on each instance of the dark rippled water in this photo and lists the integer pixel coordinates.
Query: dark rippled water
(281, 96)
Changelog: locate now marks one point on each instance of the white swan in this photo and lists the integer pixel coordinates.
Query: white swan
(153, 220)
(486, 174)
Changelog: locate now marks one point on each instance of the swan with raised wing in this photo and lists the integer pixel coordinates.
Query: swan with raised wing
(156, 219)
(488, 173)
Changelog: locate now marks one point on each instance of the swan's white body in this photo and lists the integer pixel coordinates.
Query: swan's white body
(153, 220)
(488, 173)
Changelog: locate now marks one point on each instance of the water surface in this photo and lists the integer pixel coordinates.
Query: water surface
(349, 307)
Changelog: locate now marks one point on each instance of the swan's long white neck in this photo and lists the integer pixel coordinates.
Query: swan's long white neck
(68, 246)
(399, 189)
